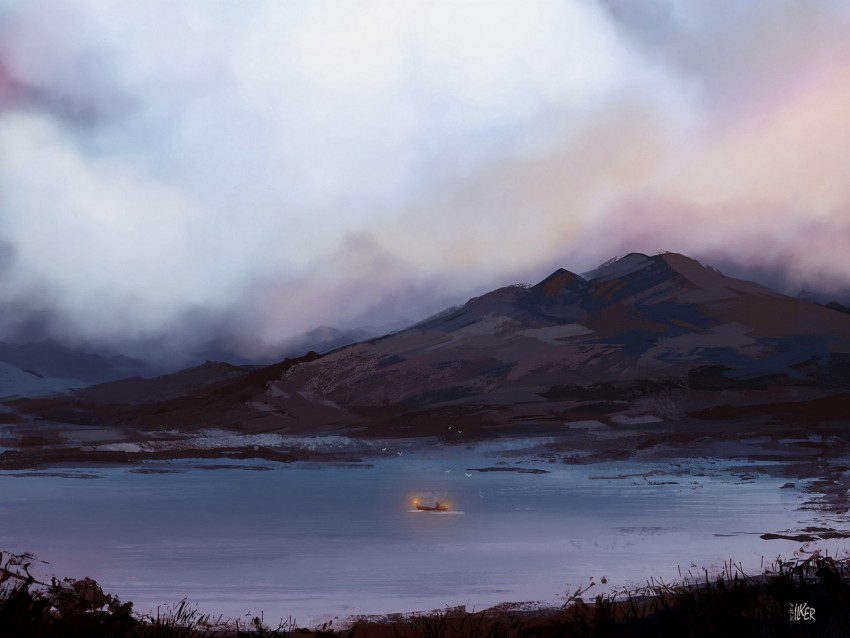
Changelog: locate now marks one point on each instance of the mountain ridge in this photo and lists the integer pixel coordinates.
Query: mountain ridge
(53, 359)
(640, 336)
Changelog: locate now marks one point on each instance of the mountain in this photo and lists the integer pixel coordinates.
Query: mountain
(325, 338)
(15, 382)
(321, 339)
(387, 328)
(51, 359)
(139, 390)
(641, 336)
(665, 318)
(840, 307)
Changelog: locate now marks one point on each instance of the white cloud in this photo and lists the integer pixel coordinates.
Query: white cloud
(105, 240)
(172, 157)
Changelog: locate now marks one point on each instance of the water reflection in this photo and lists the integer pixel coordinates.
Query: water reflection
(316, 541)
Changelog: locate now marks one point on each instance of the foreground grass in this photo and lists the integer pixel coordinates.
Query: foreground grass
(808, 598)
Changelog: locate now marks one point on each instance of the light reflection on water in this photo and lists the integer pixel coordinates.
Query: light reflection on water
(315, 541)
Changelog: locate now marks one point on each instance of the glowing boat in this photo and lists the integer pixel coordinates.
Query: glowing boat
(438, 507)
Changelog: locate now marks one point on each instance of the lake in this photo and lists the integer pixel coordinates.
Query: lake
(319, 541)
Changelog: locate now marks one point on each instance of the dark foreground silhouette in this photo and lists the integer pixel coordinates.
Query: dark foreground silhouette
(803, 598)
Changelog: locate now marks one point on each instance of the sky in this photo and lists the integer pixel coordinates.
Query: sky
(174, 171)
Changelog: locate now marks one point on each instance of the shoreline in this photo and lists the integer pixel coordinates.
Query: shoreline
(726, 598)
(819, 479)
(818, 456)
(816, 528)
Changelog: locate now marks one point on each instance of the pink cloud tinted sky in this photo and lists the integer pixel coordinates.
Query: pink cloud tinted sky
(273, 166)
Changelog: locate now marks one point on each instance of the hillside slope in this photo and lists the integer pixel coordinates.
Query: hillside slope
(642, 336)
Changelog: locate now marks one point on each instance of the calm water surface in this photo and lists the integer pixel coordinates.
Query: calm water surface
(317, 542)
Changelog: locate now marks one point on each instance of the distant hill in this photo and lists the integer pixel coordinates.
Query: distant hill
(15, 382)
(325, 339)
(138, 390)
(51, 359)
(834, 305)
(322, 339)
(666, 318)
(661, 336)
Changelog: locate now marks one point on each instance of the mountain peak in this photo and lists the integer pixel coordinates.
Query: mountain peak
(683, 264)
(619, 267)
(667, 267)
(559, 281)
(631, 263)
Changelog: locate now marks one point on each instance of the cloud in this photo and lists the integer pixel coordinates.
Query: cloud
(194, 168)
(761, 182)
